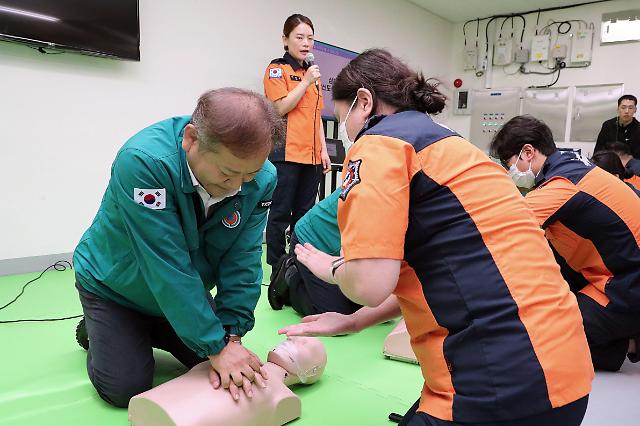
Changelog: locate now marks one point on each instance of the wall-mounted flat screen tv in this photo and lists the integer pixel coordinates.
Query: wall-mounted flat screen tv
(95, 27)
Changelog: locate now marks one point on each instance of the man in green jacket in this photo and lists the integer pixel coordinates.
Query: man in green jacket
(293, 284)
(184, 211)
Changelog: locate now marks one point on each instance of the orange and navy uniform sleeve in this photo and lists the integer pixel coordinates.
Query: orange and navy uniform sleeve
(635, 181)
(275, 83)
(545, 201)
(373, 211)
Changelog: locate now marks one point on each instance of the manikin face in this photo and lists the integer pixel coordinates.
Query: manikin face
(299, 42)
(626, 110)
(219, 172)
(301, 356)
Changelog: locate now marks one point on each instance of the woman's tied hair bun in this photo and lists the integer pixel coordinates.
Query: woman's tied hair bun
(389, 80)
(424, 94)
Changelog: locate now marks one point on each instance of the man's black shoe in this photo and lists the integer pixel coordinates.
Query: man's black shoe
(81, 335)
(278, 293)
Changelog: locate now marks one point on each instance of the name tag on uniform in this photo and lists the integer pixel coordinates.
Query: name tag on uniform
(295, 78)
(275, 73)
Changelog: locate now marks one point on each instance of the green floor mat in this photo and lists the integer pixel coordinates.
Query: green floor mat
(43, 380)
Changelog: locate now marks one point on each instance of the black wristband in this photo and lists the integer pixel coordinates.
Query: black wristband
(228, 337)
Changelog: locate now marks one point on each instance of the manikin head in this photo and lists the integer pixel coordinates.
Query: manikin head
(302, 357)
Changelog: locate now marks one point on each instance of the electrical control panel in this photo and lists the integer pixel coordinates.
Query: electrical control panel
(559, 51)
(581, 46)
(470, 58)
(540, 47)
(591, 106)
(549, 105)
(556, 45)
(492, 108)
(503, 51)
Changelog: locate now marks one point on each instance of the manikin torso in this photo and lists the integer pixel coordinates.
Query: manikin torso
(397, 344)
(191, 400)
(179, 402)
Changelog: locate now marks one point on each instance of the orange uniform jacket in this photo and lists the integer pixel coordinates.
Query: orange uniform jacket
(634, 180)
(494, 326)
(592, 219)
(304, 121)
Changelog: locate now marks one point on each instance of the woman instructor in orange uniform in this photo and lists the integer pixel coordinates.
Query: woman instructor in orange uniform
(293, 85)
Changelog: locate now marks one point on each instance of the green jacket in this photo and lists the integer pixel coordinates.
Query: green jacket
(319, 226)
(160, 261)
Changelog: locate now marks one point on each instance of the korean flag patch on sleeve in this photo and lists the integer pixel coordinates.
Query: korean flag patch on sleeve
(275, 73)
(153, 198)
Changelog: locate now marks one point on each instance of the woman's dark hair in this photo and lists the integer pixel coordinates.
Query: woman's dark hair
(609, 161)
(521, 130)
(292, 22)
(389, 80)
(619, 148)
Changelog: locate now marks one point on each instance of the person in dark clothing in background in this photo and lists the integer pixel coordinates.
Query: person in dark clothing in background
(624, 152)
(624, 128)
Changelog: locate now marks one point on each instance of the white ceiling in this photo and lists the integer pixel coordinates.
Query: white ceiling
(464, 10)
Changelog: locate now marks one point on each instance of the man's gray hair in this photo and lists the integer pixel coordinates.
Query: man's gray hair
(243, 121)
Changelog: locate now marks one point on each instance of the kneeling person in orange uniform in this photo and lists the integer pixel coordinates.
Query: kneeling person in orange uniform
(494, 326)
(592, 220)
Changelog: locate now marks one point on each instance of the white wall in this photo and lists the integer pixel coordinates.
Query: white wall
(617, 63)
(63, 117)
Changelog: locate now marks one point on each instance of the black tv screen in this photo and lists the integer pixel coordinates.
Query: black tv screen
(95, 27)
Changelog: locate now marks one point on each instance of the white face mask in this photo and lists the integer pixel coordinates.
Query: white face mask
(342, 130)
(522, 179)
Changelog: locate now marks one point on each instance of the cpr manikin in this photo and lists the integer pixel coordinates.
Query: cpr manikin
(397, 344)
(191, 400)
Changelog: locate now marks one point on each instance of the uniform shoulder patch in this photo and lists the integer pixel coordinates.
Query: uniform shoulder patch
(152, 198)
(232, 220)
(351, 178)
(275, 72)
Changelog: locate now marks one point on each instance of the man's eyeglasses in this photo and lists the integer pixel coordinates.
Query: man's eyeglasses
(503, 163)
